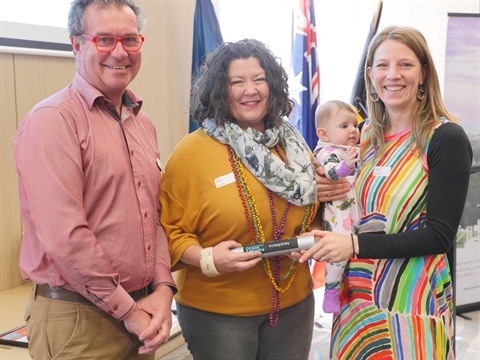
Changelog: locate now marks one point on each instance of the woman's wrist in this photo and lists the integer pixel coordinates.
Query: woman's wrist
(354, 251)
(206, 262)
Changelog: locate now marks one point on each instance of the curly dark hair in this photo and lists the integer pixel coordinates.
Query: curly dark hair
(210, 86)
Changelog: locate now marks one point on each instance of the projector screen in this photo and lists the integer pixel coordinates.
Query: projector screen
(35, 27)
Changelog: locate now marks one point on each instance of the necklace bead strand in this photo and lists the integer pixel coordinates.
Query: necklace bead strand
(258, 235)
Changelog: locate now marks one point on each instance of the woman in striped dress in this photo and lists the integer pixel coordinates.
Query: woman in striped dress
(397, 295)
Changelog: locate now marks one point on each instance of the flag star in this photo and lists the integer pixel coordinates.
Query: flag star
(296, 87)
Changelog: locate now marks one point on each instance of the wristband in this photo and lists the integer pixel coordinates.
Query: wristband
(206, 262)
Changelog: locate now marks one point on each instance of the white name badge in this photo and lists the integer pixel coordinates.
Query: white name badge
(382, 170)
(224, 180)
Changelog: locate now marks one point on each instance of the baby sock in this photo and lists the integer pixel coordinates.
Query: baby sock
(331, 301)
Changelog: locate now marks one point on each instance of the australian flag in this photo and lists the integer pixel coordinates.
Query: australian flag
(206, 37)
(305, 87)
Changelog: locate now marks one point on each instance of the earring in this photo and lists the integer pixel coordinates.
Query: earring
(420, 93)
(374, 96)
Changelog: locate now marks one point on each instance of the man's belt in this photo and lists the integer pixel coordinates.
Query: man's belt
(60, 293)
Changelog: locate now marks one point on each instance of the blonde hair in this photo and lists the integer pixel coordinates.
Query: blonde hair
(329, 109)
(427, 111)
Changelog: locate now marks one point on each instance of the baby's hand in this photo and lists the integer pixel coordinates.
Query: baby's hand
(352, 156)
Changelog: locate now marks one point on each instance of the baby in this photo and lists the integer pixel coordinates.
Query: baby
(337, 151)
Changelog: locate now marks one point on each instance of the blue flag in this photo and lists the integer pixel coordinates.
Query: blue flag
(206, 37)
(306, 72)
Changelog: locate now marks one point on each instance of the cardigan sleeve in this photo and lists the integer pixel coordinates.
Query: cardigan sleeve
(449, 159)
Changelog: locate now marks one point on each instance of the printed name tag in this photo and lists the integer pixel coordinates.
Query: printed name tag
(224, 180)
(382, 170)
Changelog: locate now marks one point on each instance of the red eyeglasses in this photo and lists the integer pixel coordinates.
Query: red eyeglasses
(130, 43)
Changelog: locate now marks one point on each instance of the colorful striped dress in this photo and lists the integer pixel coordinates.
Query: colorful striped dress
(394, 308)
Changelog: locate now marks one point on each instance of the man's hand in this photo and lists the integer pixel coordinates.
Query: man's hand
(137, 321)
(158, 305)
(329, 190)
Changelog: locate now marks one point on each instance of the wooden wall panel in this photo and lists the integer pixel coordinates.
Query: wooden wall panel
(10, 221)
(25, 80)
(163, 82)
(37, 77)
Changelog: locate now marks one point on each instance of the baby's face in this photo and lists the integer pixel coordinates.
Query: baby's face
(343, 129)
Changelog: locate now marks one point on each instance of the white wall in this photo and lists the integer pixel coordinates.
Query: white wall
(431, 18)
(342, 27)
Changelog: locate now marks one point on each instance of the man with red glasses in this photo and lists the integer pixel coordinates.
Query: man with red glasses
(89, 179)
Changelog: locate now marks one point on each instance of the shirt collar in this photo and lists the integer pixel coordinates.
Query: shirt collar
(91, 94)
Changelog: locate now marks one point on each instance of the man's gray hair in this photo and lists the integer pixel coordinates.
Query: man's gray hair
(76, 15)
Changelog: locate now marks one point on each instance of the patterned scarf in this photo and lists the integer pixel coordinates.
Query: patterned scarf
(294, 181)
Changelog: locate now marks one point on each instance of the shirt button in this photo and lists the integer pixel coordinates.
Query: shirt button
(115, 308)
(139, 184)
(149, 247)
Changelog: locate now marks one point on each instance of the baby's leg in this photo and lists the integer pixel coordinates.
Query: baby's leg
(333, 280)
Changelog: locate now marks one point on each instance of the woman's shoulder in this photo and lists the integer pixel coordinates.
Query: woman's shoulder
(195, 141)
(449, 136)
(194, 148)
(447, 129)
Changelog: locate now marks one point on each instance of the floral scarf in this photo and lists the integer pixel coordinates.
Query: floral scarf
(294, 181)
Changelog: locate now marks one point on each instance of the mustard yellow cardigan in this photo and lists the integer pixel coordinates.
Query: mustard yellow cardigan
(197, 211)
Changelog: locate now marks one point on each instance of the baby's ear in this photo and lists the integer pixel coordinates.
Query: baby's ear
(322, 134)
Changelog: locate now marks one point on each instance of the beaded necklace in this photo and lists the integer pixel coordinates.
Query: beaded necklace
(257, 234)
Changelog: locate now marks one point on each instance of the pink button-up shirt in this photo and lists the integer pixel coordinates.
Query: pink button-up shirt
(89, 187)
